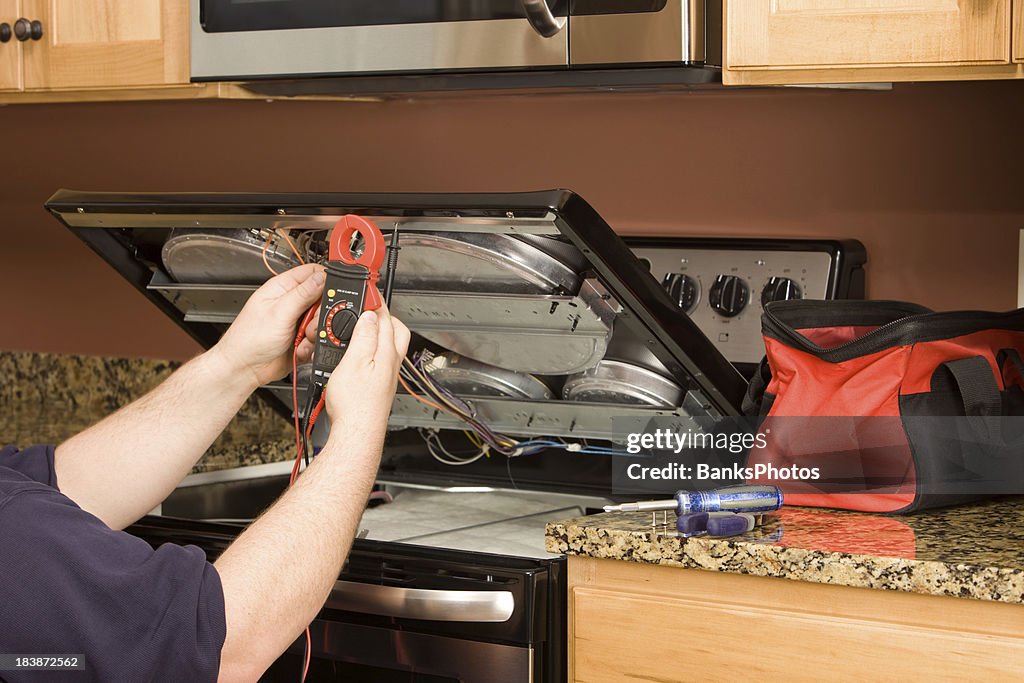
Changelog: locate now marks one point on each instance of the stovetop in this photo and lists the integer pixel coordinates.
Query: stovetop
(475, 519)
(496, 522)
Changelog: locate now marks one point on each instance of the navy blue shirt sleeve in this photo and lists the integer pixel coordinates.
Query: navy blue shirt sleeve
(35, 463)
(71, 585)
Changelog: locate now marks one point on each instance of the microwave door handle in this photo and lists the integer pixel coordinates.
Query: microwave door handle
(541, 19)
(418, 603)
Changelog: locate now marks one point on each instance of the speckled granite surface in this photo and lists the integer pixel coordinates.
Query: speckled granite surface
(47, 398)
(973, 552)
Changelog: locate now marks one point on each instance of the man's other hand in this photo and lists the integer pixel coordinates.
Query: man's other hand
(361, 390)
(261, 338)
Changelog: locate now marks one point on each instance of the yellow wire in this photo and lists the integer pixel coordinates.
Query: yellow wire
(473, 438)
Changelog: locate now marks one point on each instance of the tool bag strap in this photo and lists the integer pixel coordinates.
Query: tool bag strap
(972, 378)
(1013, 356)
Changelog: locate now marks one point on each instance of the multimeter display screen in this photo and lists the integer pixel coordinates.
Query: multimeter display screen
(330, 357)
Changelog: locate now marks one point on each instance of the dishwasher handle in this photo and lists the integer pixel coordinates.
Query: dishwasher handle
(419, 603)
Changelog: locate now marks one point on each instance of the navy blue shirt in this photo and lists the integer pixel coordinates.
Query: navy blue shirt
(71, 585)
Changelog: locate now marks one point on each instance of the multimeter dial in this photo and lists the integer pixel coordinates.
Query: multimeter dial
(340, 321)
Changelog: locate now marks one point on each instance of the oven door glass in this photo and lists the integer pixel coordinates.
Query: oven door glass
(230, 16)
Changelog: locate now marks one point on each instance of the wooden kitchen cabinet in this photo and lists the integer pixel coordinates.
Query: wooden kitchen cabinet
(1017, 51)
(844, 41)
(10, 52)
(106, 44)
(632, 621)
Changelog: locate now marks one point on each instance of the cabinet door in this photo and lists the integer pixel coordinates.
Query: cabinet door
(10, 52)
(107, 43)
(773, 34)
(622, 636)
(1018, 31)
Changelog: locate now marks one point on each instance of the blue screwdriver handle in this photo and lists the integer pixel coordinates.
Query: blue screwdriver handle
(743, 498)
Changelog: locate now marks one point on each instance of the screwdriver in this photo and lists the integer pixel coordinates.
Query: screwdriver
(742, 498)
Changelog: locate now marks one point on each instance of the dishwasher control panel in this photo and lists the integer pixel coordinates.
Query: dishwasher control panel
(723, 284)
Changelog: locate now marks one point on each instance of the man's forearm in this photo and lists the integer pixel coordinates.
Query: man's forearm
(125, 465)
(278, 573)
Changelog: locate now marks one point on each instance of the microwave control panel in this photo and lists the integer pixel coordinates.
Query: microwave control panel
(724, 288)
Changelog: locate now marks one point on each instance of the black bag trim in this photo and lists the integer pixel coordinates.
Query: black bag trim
(1013, 356)
(979, 393)
(753, 399)
(810, 313)
(902, 324)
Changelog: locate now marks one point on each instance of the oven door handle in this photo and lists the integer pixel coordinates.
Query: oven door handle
(541, 18)
(419, 603)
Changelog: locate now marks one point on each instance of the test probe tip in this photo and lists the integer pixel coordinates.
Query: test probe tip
(389, 278)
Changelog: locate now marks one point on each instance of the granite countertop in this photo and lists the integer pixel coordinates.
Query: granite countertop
(971, 552)
(48, 398)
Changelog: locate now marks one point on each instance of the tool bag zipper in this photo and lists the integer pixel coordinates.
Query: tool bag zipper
(905, 330)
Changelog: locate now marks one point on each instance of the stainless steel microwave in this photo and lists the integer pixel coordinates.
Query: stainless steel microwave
(254, 39)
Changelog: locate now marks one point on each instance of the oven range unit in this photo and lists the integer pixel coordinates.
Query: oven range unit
(526, 307)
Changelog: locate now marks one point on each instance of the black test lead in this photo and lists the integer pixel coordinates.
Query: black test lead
(389, 278)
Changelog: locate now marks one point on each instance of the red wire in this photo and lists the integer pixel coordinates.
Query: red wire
(317, 409)
(299, 336)
(309, 651)
(295, 413)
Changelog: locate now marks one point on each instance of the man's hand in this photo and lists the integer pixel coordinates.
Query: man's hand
(363, 386)
(261, 338)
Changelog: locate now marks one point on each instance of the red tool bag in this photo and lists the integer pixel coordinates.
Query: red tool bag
(895, 408)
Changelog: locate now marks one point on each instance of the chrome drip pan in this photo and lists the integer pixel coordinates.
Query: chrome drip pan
(613, 381)
(485, 262)
(229, 256)
(468, 378)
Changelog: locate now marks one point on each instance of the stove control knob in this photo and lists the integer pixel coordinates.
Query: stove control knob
(729, 295)
(780, 289)
(683, 289)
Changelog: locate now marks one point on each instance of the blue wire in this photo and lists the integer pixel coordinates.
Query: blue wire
(536, 445)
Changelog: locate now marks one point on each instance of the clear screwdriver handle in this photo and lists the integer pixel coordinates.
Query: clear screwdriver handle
(743, 498)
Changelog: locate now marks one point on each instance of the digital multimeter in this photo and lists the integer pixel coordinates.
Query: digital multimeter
(350, 289)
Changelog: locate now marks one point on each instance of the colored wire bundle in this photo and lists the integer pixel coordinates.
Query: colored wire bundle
(421, 386)
(415, 373)
(432, 438)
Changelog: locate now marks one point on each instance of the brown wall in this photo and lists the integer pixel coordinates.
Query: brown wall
(928, 176)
